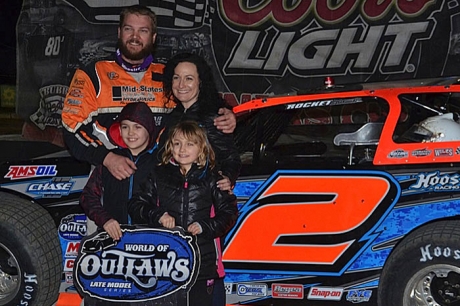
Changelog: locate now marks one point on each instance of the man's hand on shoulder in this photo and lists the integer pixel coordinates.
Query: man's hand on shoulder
(121, 167)
(226, 122)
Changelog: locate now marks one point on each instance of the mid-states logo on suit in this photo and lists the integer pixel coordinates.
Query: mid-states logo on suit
(145, 264)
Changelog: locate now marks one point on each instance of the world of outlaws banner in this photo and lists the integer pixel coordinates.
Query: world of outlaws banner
(256, 47)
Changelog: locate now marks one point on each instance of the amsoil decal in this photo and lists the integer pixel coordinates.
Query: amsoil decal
(145, 264)
(23, 172)
(264, 47)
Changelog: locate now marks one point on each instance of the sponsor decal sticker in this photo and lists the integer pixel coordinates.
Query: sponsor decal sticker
(73, 102)
(75, 92)
(252, 289)
(23, 172)
(421, 153)
(112, 75)
(79, 83)
(73, 227)
(322, 103)
(399, 153)
(72, 248)
(287, 291)
(228, 288)
(325, 293)
(444, 152)
(69, 277)
(54, 188)
(68, 264)
(127, 94)
(359, 296)
(435, 181)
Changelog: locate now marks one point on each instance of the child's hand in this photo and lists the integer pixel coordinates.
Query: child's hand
(195, 228)
(167, 221)
(112, 227)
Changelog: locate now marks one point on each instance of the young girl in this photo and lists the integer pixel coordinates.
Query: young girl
(185, 186)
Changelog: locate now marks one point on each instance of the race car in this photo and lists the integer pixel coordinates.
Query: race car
(348, 194)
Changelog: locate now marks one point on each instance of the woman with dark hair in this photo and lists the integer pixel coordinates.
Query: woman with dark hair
(188, 80)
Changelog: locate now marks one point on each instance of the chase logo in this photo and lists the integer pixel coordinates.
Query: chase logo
(22, 172)
(55, 188)
(145, 264)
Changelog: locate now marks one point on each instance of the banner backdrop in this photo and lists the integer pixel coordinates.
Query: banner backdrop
(255, 47)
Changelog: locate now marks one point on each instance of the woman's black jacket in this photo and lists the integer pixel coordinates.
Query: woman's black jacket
(227, 156)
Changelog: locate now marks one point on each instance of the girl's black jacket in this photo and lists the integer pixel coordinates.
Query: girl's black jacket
(188, 199)
(227, 156)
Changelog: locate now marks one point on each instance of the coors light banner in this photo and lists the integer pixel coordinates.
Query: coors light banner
(256, 47)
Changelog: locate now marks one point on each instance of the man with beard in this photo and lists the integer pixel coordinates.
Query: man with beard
(98, 92)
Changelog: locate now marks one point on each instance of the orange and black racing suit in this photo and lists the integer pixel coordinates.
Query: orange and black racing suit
(96, 96)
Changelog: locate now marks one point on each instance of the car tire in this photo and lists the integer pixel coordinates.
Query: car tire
(424, 268)
(30, 254)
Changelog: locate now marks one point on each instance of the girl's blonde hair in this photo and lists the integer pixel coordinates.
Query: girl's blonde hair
(192, 132)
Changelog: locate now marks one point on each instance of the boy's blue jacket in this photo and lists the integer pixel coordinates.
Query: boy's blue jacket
(114, 193)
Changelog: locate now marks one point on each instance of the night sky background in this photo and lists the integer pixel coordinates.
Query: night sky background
(9, 13)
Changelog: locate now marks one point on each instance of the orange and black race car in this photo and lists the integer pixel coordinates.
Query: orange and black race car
(348, 194)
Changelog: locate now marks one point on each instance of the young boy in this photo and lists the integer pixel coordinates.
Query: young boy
(133, 133)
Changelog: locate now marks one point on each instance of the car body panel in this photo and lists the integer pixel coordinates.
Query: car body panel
(330, 226)
(329, 188)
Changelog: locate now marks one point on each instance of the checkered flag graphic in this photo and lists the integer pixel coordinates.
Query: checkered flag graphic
(173, 14)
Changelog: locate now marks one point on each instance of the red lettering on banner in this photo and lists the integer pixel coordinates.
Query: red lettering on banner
(277, 11)
(237, 12)
(339, 12)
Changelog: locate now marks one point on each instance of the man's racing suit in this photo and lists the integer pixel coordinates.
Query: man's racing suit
(96, 96)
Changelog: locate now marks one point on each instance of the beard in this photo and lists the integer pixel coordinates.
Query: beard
(146, 50)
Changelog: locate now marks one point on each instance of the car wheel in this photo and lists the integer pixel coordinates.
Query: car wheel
(424, 268)
(30, 254)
